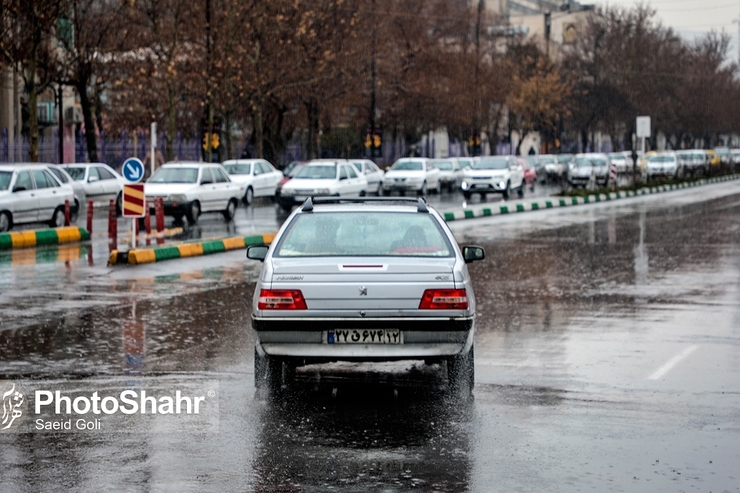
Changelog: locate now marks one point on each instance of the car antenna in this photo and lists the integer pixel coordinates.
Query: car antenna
(422, 206)
(307, 205)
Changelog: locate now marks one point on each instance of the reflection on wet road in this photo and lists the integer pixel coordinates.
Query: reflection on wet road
(606, 360)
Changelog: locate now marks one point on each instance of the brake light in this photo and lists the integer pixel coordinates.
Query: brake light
(281, 299)
(444, 299)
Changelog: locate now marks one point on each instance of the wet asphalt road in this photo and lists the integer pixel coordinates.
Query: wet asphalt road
(607, 359)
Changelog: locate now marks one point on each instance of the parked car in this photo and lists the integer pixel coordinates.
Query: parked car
(530, 175)
(623, 161)
(413, 174)
(450, 173)
(319, 178)
(465, 162)
(101, 182)
(553, 170)
(725, 157)
(493, 174)
(661, 165)
(366, 279)
(692, 162)
(587, 166)
(735, 154)
(257, 177)
(191, 188)
(715, 162)
(30, 193)
(63, 177)
(373, 174)
(538, 165)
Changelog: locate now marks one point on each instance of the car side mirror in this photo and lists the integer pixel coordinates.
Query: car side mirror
(257, 252)
(473, 253)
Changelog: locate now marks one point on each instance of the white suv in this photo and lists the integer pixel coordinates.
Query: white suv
(493, 174)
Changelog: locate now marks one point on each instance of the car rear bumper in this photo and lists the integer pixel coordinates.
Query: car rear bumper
(419, 339)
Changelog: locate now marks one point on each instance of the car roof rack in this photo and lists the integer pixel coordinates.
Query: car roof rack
(310, 201)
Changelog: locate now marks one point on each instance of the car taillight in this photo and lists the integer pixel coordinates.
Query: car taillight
(444, 299)
(281, 299)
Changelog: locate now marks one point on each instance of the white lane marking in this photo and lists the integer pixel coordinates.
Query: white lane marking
(673, 362)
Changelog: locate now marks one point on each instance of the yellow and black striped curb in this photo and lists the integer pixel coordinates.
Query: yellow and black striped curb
(190, 249)
(36, 237)
(554, 202)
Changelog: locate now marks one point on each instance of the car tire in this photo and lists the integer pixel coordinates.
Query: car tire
(119, 204)
(57, 218)
(385, 192)
(268, 373)
(249, 196)
(6, 222)
(461, 373)
(363, 193)
(230, 210)
(451, 187)
(520, 190)
(506, 193)
(193, 212)
(467, 195)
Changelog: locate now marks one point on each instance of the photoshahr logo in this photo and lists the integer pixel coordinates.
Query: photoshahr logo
(13, 405)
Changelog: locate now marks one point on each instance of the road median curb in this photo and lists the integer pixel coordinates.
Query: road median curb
(486, 210)
(39, 237)
(188, 249)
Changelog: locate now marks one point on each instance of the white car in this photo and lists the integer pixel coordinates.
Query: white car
(692, 162)
(412, 174)
(101, 182)
(257, 177)
(373, 174)
(29, 193)
(79, 189)
(623, 160)
(588, 166)
(322, 178)
(554, 170)
(190, 189)
(450, 173)
(661, 165)
(493, 174)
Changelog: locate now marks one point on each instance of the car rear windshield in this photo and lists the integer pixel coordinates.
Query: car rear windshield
(494, 163)
(582, 162)
(317, 172)
(238, 169)
(5, 177)
(408, 166)
(364, 234)
(174, 175)
(661, 159)
(443, 165)
(77, 173)
(59, 174)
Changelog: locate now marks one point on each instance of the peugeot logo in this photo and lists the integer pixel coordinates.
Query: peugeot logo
(363, 291)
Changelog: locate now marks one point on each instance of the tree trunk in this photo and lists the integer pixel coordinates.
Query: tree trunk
(86, 104)
(259, 131)
(33, 122)
(170, 119)
(312, 111)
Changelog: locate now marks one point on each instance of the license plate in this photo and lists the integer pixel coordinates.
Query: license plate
(363, 336)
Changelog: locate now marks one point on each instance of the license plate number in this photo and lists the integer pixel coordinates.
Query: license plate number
(363, 336)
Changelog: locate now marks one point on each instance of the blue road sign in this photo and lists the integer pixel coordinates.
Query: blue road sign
(133, 169)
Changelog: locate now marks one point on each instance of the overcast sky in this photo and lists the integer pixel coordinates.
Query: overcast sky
(692, 18)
